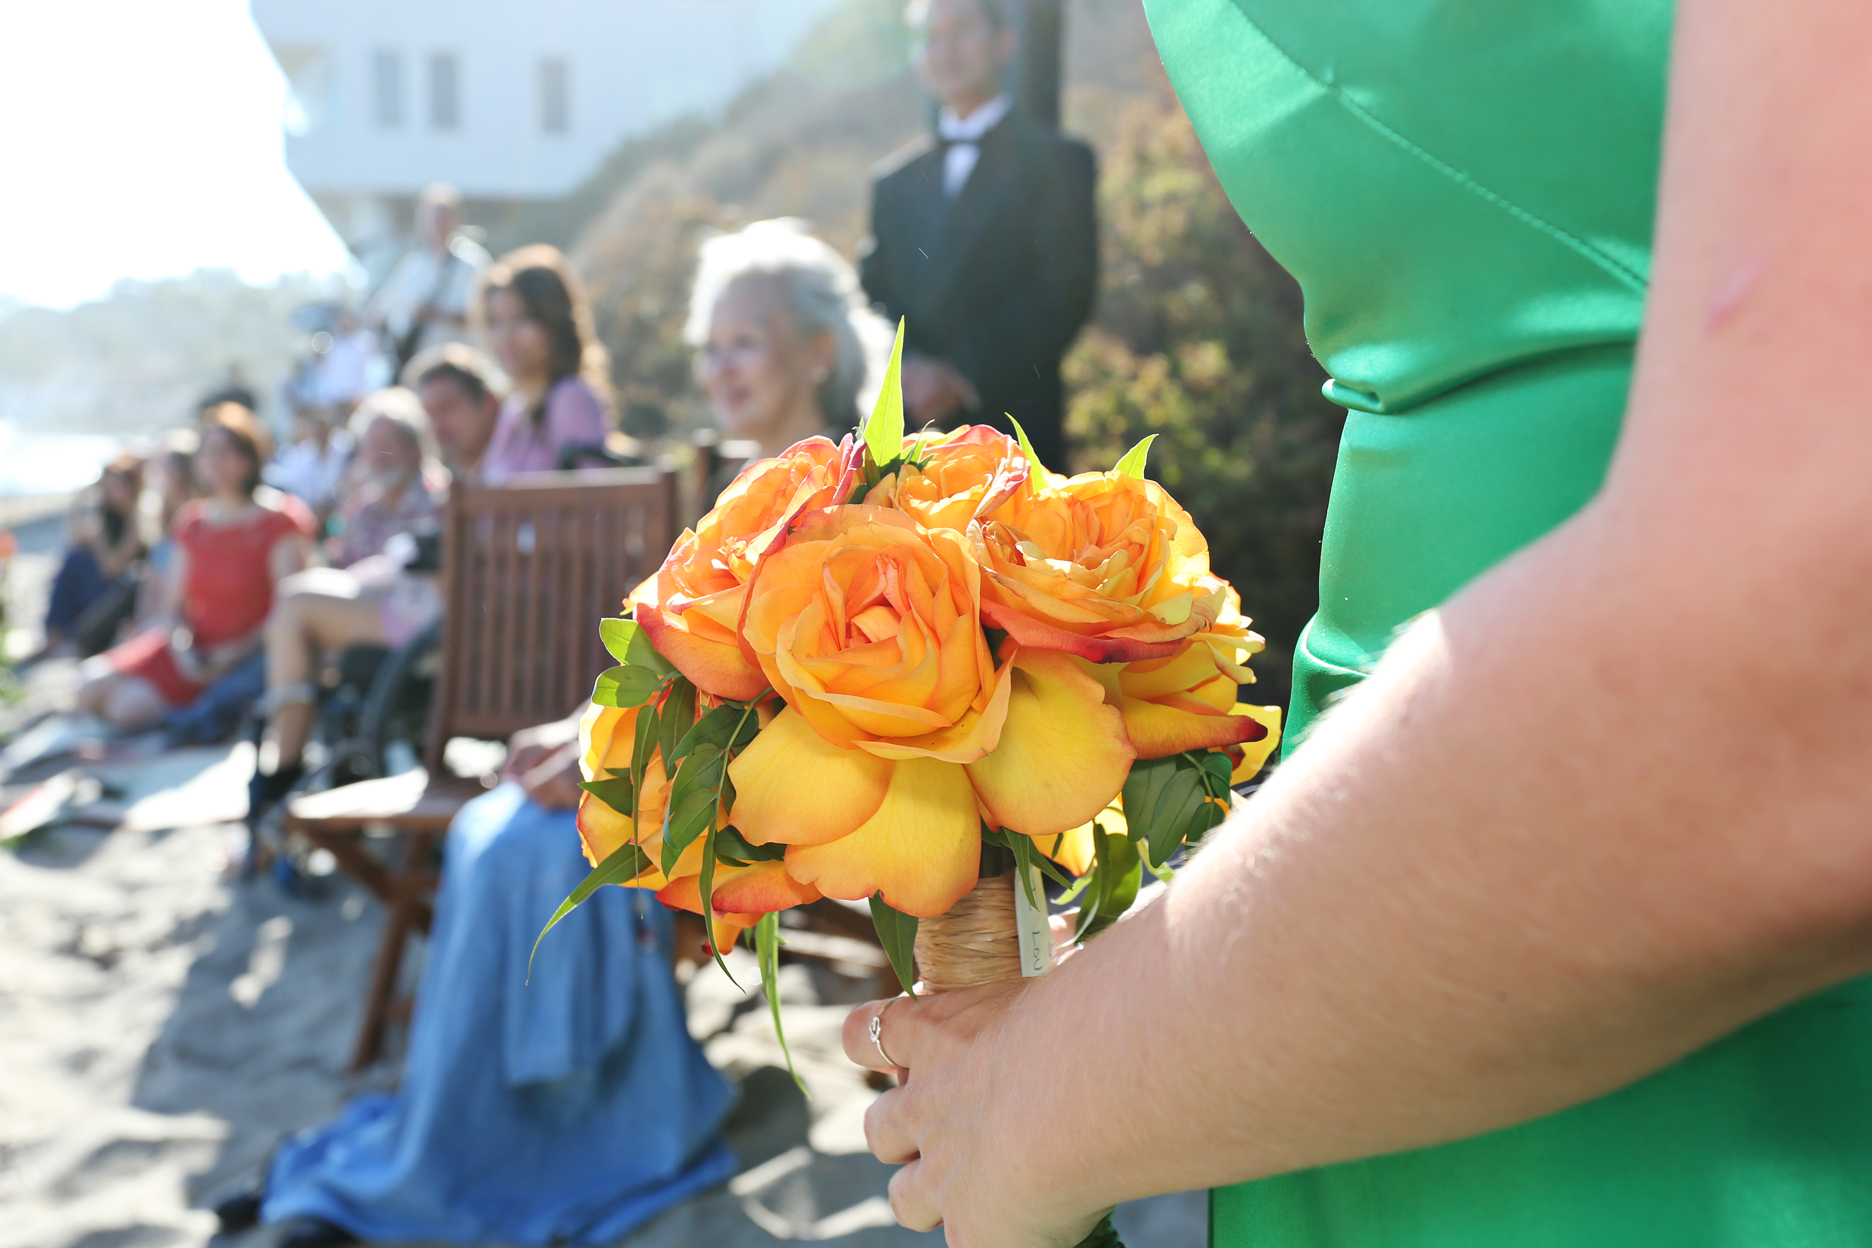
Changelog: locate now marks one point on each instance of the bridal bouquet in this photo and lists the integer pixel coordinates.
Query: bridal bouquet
(887, 668)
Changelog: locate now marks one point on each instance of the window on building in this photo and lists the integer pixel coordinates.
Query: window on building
(444, 91)
(555, 95)
(387, 89)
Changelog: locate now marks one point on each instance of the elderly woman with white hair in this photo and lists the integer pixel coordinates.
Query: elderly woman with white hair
(785, 344)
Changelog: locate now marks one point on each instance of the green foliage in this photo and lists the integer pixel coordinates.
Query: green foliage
(1169, 802)
(1039, 469)
(767, 944)
(1131, 464)
(1198, 340)
(885, 428)
(897, 933)
(625, 863)
(1109, 888)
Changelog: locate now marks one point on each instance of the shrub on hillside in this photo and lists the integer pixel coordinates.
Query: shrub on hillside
(1198, 340)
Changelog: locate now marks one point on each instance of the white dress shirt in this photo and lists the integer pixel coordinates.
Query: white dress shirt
(964, 136)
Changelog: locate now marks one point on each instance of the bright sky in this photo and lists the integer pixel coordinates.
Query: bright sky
(141, 138)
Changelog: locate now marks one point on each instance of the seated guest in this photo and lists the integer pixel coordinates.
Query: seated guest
(168, 483)
(461, 392)
(564, 1108)
(99, 567)
(323, 610)
(783, 339)
(984, 239)
(539, 327)
(231, 549)
(314, 465)
(399, 486)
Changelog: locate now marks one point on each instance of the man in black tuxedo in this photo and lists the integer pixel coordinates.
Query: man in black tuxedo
(984, 240)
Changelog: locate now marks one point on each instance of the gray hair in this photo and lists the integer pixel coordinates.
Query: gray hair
(402, 409)
(819, 291)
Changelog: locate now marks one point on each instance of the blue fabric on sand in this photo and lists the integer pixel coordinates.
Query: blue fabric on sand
(567, 1110)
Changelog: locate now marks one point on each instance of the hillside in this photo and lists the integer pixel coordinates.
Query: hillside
(1197, 336)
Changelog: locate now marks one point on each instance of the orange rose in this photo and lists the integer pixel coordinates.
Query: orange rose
(1105, 566)
(902, 731)
(965, 474)
(740, 895)
(691, 607)
(1187, 700)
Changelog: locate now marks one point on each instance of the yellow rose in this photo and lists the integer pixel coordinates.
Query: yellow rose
(1187, 701)
(691, 606)
(1105, 566)
(902, 731)
(965, 474)
(740, 895)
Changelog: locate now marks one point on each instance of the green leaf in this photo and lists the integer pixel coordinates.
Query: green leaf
(1024, 856)
(643, 749)
(1033, 457)
(705, 889)
(626, 862)
(730, 844)
(641, 652)
(728, 727)
(678, 716)
(767, 944)
(693, 797)
(883, 432)
(1218, 769)
(1132, 463)
(1177, 810)
(626, 687)
(1143, 787)
(616, 791)
(897, 933)
(1094, 895)
(1120, 872)
(617, 636)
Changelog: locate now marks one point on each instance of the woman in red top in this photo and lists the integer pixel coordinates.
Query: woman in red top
(231, 548)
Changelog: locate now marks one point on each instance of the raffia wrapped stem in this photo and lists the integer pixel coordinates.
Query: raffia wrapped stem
(977, 942)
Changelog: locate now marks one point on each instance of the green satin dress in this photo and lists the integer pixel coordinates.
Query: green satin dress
(1465, 191)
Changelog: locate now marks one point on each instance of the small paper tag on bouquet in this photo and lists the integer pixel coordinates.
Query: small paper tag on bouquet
(1036, 934)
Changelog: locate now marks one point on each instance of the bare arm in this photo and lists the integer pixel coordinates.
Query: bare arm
(1545, 849)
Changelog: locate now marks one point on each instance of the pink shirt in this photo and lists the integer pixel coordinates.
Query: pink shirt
(574, 417)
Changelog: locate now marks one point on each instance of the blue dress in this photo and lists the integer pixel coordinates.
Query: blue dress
(566, 1110)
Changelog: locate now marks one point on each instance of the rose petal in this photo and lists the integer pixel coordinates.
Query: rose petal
(793, 787)
(1063, 754)
(1158, 729)
(759, 888)
(1255, 753)
(922, 848)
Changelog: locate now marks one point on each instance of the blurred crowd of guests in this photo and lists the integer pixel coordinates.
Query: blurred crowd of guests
(222, 575)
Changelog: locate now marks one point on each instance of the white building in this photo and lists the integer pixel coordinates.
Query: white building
(510, 100)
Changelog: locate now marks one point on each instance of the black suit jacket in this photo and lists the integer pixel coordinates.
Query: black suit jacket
(998, 281)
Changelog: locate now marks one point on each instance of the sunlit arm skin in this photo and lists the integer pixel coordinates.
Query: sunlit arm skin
(1609, 803)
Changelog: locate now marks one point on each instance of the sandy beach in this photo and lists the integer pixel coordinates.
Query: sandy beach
(162, 1026)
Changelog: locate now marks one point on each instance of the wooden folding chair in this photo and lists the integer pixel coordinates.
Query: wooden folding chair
(529, 568)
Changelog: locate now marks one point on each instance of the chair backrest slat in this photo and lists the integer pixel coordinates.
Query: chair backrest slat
(530, 567)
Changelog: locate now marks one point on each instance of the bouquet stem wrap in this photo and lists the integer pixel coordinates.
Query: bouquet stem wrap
(977, 943)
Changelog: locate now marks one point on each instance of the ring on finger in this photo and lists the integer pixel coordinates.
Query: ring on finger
(876, 1032)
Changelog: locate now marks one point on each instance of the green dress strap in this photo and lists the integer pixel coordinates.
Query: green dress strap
(1465, 191)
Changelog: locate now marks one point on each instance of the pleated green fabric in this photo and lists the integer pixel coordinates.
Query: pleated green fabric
(1465, 190)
